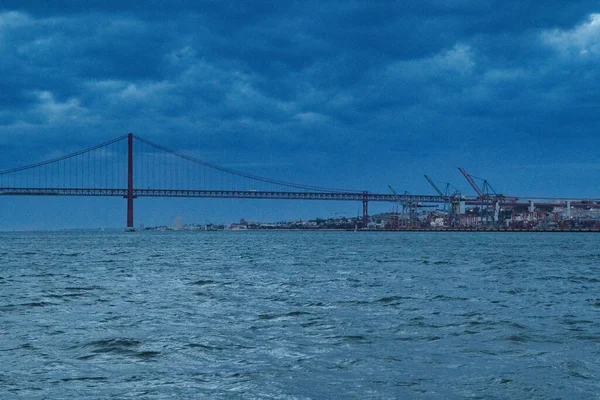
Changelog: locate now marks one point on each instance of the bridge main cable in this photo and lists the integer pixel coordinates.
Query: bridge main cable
(65, 157)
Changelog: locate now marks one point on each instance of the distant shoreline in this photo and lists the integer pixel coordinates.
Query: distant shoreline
(466, 230)
(486, 230)
(397, 230)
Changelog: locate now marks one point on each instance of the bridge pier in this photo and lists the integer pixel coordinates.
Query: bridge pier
(129, 196)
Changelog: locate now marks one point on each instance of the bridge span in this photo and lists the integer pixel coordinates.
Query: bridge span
(364, 197)
(233, 194)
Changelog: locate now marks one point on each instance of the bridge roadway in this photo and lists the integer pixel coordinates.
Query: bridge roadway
(365, 197)
(236, 194)
(280, 195)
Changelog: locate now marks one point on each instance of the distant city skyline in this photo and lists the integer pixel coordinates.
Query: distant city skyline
(334, 93)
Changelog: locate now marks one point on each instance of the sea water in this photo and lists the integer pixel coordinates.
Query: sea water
(299, 315)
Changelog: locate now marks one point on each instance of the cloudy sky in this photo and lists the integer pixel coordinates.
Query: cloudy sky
(357, 94)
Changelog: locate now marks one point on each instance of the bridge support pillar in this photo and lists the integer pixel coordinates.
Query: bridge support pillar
(365, 218)
(130, 227)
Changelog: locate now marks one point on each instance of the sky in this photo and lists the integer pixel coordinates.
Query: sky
(352, 94)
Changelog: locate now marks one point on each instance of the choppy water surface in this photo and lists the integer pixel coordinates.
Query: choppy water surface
(302, 315)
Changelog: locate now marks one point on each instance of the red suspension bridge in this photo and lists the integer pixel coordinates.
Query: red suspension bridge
(132, 167)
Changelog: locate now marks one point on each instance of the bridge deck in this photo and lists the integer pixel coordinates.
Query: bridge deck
(242, 194)
(278, 195)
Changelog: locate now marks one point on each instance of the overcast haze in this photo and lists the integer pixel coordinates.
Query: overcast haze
(337, 94)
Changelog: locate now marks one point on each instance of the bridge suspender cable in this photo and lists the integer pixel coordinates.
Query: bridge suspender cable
(185, 157)
(8, 171)
(238, 173)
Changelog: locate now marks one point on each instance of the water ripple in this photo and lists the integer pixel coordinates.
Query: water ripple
(299, 315)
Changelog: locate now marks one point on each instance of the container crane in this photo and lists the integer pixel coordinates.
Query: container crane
(469, 179)
(453, 199)
(411, 206)
(444, 194)
(487, 195)
(447, 190)
(437, 189)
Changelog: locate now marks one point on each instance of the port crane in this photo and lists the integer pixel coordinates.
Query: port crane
(487, 195)
(469, 179)
(437, 189)
(410, 206)
(449, 198)
(447, 190)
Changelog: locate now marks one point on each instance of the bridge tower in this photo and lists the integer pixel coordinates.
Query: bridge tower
(365, 217)
(129, 196)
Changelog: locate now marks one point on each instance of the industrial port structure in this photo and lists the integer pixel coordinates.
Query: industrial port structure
(489, 210)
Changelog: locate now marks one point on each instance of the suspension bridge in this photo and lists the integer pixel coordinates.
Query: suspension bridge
(132, 167)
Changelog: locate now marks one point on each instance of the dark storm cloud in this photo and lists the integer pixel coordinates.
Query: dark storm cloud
(287, 79)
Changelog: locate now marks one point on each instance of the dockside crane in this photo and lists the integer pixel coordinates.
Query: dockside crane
(449, 199)
(396, 196)
(393, 223)
(469, 179)
(406, 205)
(487, 195)
(447, 190)
(437, 189)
